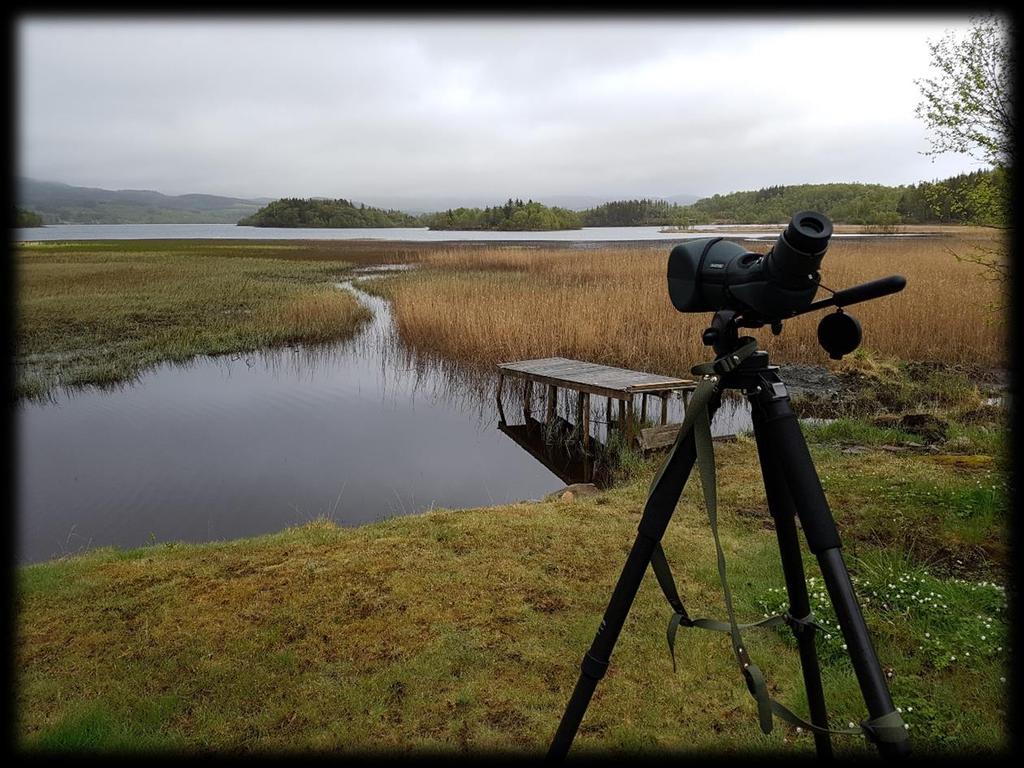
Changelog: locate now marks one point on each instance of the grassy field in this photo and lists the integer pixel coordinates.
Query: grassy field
(611, 305)
(463, 630)
(102, 312)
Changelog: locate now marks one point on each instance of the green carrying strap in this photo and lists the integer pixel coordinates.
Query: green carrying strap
(887, 728)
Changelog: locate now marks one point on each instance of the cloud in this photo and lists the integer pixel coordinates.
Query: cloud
(354, 106)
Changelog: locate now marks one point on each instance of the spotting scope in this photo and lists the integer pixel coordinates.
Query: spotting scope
(750, 290)
(711, 274)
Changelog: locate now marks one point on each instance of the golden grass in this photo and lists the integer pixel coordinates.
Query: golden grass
(610, 305)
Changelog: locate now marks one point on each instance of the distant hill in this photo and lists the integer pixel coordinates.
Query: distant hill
(66, 204)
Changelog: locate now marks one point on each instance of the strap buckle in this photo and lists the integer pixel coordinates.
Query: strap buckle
(801, 625)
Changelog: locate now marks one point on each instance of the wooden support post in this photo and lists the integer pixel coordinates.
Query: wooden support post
(608, 416)
(622, 414)
(585, 421)
(527, 397)
(630, 422)
(643, 408)
(501, 386)
(552, 404)
(664, 406)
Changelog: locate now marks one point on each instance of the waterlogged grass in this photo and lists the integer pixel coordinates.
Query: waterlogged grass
(102, 312)
(463, 630)
(849, 431)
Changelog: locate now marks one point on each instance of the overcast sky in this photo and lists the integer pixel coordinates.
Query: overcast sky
(445, 106)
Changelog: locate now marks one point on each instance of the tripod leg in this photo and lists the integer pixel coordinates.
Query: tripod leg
(657, 513)
(783, 511)
(784, 440)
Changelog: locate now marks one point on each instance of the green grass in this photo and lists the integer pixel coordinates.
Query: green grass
(463, 630)
(103, 312)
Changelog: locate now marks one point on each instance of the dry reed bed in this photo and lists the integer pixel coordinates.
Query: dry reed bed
(485, 305)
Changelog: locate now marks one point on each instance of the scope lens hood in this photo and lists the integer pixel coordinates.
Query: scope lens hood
(684, 264)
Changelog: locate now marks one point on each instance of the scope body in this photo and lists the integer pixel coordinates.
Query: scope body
(711, 274)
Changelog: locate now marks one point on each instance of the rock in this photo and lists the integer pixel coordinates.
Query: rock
(574, 491)
(932, 428)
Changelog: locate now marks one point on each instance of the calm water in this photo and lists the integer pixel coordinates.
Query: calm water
(408, 234)
(241, 445)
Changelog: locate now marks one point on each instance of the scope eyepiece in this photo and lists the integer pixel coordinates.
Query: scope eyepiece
(799, 250)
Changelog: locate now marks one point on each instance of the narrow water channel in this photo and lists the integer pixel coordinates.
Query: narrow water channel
(239, 445)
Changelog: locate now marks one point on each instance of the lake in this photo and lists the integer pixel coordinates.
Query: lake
(239, 445)
(404, 234)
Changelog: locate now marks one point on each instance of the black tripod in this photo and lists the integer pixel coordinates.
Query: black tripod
(793, 490)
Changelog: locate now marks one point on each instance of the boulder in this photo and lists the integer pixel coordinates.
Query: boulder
(573, 492)
(932, 428)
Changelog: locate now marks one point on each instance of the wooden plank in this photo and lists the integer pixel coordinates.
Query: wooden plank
(567, 384)
(643, 408)
(527, 398)
(552, 404)
(630, 421)
(664, 407)
(592, 376)
(662, 436)
(501, 386)
(585, 398)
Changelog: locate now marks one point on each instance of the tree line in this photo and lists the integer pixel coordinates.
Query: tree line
(25, 218)
(514, 215)
(978, 198)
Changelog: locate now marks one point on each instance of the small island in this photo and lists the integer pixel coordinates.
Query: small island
(513, 216)
(328, 214)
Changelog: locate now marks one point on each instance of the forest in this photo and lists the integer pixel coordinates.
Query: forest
(514, 215)
(295, 212)
(23, 218)
(978, 198)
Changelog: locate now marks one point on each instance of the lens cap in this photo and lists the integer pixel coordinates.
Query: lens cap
(809, 232)
(839, 334)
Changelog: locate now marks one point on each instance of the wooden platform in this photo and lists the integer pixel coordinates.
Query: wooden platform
(593, 378)
(588, 379)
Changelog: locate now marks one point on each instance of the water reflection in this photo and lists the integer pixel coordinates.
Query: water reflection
(239, 445)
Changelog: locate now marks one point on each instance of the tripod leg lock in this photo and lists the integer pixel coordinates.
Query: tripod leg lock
(593, 668)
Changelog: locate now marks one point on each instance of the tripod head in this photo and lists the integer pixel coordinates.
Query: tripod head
(839, 333)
